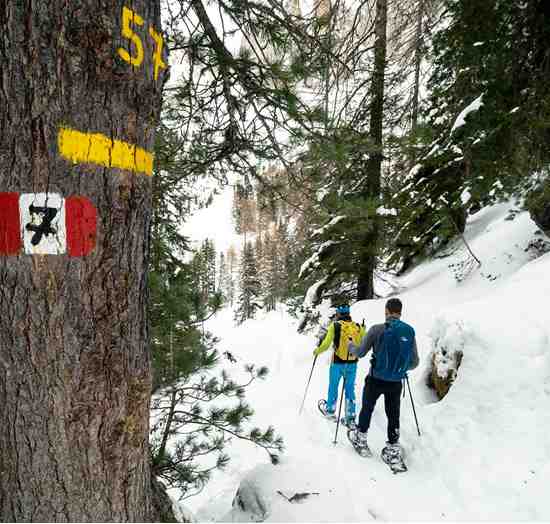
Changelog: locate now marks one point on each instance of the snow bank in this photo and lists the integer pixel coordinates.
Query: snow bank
(292, 492)
(489, 435)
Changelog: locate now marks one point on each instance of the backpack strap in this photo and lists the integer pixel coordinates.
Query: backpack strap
(337, 333)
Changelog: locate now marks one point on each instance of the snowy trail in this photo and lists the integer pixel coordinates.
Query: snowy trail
(484, 453)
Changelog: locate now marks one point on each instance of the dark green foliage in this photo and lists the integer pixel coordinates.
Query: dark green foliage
(344, 160)
(429, 214)
(497, 53)
(174, 304)
(538, 204)
(199, 427)
(171, 202)
(344, 215)
(203, 264)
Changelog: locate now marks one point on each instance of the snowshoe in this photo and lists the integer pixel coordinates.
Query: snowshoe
(322, 405)
(359, 443)
(392, 455)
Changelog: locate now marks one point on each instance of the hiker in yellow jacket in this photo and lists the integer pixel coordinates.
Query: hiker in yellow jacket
(343, 365)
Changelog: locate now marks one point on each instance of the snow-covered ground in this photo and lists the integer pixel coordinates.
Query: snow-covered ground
(484, 453)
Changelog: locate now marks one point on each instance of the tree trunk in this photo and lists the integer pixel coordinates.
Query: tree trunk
(74, 359)
(367, 261)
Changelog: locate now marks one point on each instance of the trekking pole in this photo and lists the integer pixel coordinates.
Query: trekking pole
(412, 403)
(307, 387)
(341, 402)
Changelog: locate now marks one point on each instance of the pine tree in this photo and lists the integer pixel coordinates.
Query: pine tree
(231, 274)
(208, 252)
(236, 211)
(233, 121)
(344, 165)
(249, 292)
(260, 257)
(284, 259)
(203, 264)
(269, 297)
(188, 423)
(222, 275)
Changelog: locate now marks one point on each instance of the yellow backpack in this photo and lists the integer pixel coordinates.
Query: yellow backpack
(348, 329)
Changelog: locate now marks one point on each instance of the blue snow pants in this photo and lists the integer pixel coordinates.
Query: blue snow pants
(337, 372)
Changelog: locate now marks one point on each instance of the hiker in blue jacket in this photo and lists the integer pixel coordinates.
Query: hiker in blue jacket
(394, 352)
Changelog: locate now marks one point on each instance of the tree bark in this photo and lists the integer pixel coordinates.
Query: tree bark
(74, 359)
(367, 261)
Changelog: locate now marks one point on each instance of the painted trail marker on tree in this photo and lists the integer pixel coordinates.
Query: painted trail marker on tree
(47, 224)
(80, 225)
(77, 150)
(42, 221)
(10, 236)
(94, 148)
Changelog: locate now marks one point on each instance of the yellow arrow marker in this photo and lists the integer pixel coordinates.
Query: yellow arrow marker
(95, 148)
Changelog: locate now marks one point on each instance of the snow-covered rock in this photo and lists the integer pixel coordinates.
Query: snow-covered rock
(290, 492)
(448, 350)
(251, 504)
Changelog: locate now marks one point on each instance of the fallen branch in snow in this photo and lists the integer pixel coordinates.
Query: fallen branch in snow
(461, 234)
(297, 497)
(466, 243)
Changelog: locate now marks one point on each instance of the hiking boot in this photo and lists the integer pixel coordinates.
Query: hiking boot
(394, 452)
(329, 413)
(359, 441)
(361, 438)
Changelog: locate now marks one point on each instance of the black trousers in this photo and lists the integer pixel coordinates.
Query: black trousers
(375, 387)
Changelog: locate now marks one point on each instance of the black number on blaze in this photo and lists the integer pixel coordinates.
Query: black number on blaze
(48, 214)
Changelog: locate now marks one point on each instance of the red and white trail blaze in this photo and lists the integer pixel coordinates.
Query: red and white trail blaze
(46, 224)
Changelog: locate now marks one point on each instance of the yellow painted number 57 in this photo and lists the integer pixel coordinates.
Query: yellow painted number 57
(129, 17)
